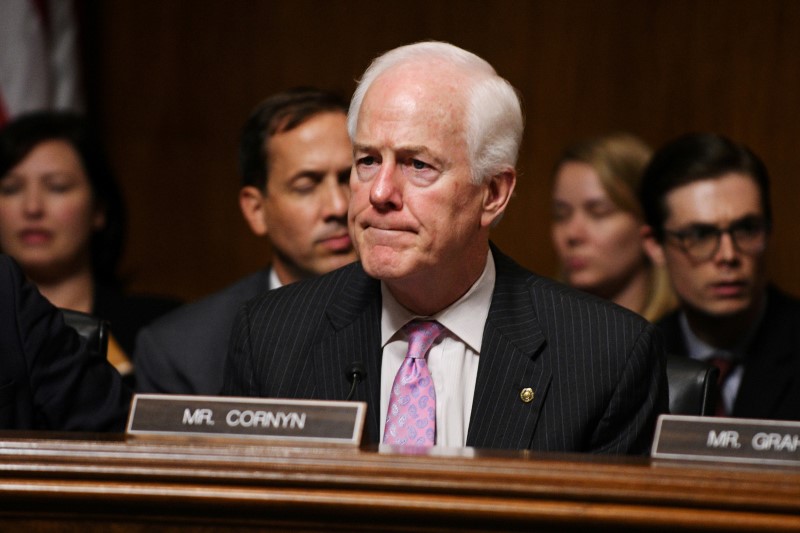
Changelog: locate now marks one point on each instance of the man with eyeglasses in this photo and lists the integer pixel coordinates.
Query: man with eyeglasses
(706, 201)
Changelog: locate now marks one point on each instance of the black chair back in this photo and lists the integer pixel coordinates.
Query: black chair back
(91, 328)
(692, 386)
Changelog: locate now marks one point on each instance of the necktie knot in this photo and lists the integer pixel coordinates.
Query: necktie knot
(725, 366)
(421, 336)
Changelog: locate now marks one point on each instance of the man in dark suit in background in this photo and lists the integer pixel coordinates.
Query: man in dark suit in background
(48, 379)
(706, 200)
(295, 158)
(517, 361)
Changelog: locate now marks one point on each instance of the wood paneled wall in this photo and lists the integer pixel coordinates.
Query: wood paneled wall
(172, 82)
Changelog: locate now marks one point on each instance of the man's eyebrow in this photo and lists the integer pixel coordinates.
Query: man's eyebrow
(407, 149)
(404, 151)
(414, 149)
(703, 225)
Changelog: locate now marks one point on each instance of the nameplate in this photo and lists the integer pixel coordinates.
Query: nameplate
(733, 440)
(219, 417)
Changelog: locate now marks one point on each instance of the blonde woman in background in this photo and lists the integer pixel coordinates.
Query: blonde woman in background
(598, 227)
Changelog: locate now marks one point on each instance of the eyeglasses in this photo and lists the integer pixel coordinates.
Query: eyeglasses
(702, 241)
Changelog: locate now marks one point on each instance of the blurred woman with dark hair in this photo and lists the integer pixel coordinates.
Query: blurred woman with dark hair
(63, 219)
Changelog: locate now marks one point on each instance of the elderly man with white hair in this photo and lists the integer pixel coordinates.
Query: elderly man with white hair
(461, 346)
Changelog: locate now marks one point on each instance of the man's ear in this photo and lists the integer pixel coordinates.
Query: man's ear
(251, 202)
(497, 193)
(652, 247)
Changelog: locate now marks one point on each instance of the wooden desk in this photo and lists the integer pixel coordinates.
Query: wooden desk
(101, 484)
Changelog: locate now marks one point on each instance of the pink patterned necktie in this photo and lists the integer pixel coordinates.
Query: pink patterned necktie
(411, 418)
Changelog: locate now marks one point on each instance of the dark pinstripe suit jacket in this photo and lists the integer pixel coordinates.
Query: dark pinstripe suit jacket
(597, 370)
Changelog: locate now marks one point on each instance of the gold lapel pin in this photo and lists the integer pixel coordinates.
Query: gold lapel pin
(526, 395)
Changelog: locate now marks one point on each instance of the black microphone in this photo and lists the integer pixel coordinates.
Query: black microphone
(355, 374)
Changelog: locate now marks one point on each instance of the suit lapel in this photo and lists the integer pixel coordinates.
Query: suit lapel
(768, 365)
(512, 340)
(354, 316)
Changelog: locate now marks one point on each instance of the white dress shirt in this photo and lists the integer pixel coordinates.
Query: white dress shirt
(452, 360)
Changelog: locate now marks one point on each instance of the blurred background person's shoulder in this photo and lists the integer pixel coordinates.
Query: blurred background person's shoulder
(62, 218)
(49, 380)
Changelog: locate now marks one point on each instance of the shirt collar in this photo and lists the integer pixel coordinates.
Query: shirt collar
(465, 318)
(274, 282)
(697, 348)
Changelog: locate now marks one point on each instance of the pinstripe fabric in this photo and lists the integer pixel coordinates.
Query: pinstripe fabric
(597, 371)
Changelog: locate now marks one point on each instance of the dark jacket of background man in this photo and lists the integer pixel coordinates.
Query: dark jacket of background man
(770, 386)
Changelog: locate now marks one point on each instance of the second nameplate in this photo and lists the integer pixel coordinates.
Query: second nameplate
(734, 440)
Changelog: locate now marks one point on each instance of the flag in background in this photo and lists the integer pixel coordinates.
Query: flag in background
(39, 57)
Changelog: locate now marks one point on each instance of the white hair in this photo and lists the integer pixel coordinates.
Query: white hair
(493, 122)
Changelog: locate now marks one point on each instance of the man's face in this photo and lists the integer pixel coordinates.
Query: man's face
(305, 205)
(731, 281)
(415, 215)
